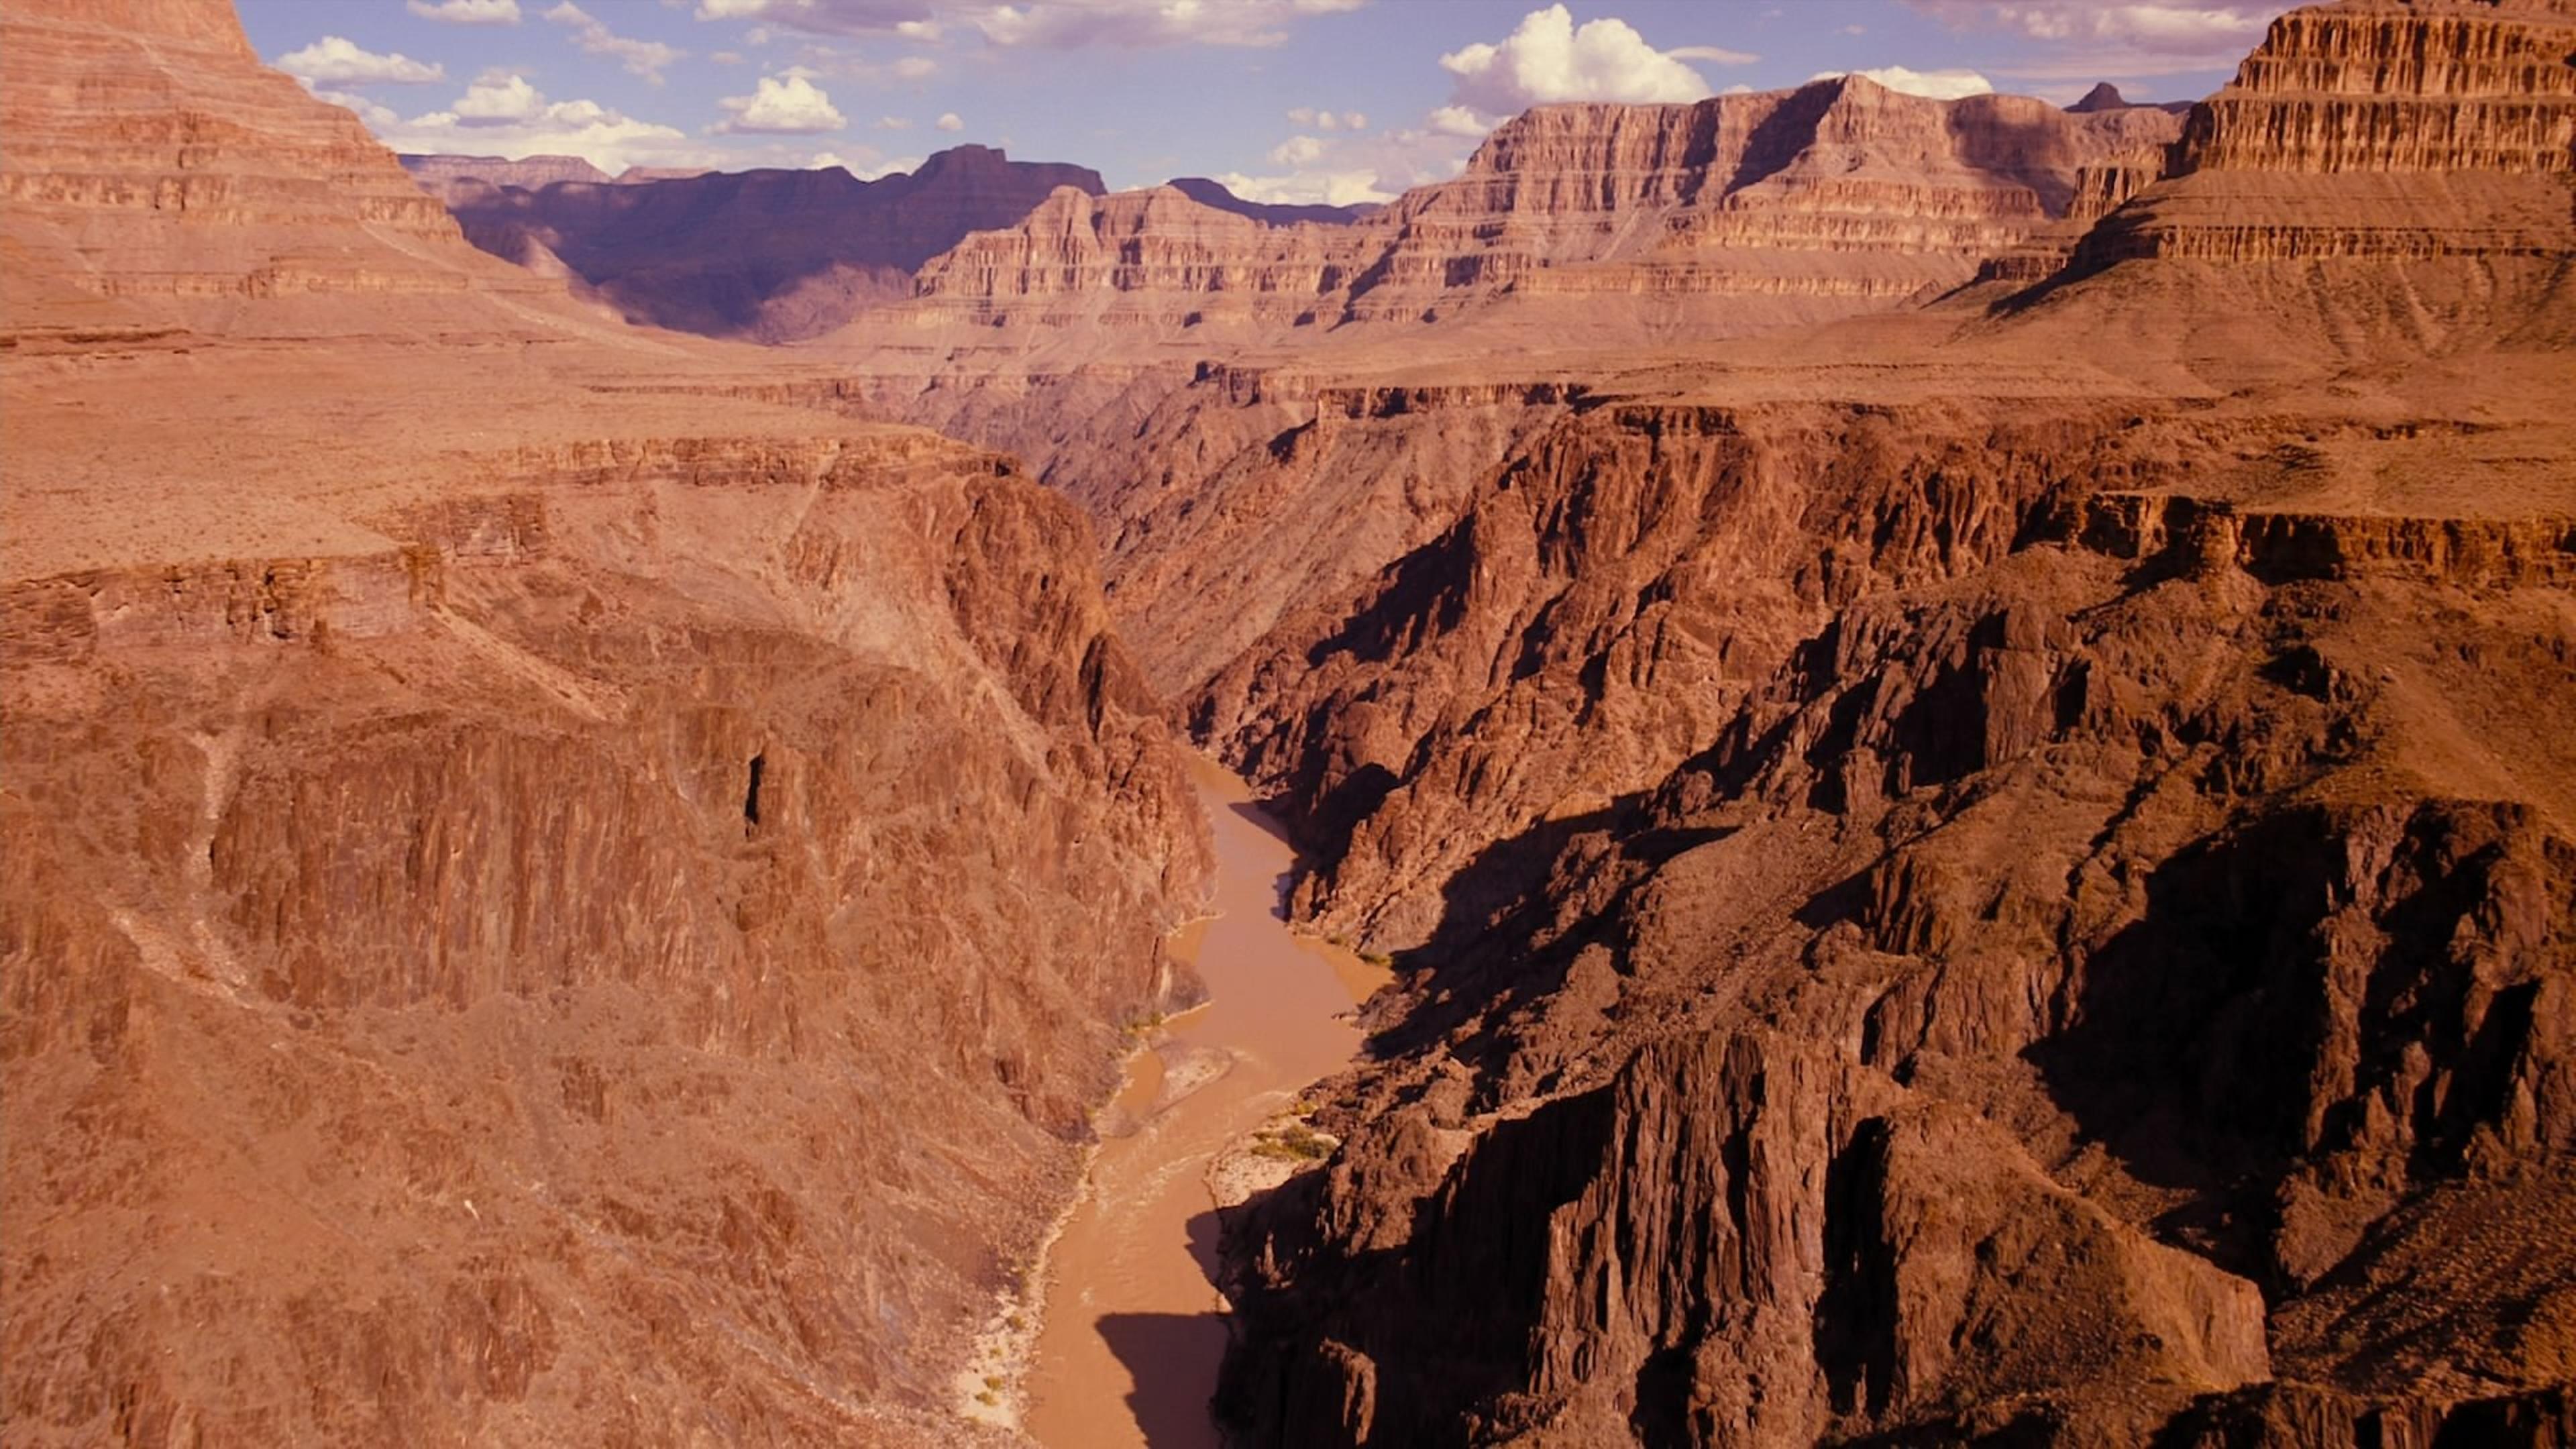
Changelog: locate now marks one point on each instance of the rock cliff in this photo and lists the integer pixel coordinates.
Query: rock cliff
(160, 182)
(1999, 878)
(768, 255)
(539, 903)
(1784, 205)
(2373, 131)
(2089, 999)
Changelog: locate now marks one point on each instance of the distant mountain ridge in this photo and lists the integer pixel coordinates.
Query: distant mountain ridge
(769, 255)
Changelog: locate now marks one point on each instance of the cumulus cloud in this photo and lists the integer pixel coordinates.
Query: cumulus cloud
(647, 58)
(1043, 24)
(2092, 38)
(1940, 85)
(893, 123)
(1344, 169)
(466, 12)
(501, 114)
(866, 165)
(949, 121)
(498, 96)
(788, 105)
(1550, 58)
(333, 58)
(1460, 121)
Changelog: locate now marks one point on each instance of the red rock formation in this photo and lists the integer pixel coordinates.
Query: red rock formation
(1836, 196)
(2373, 130)
(149, 184)
(529, 911)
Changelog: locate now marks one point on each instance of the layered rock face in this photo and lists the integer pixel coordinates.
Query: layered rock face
(159, 182)
(682, 893)
(1137, 260)
(1786, 205)
(2090, 1000)
(2374, 131)
(529, 912)
(769, 255)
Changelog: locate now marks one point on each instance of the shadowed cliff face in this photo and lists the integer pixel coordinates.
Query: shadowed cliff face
(1974, 906)
(2063, 998)
(772, 256)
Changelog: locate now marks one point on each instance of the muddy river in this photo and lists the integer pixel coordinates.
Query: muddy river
(1128, 1347)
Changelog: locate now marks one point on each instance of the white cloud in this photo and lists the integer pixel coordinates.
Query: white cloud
(1940, 85)
(949, 121)
(789, 106)
(333, 58)
(914, 67)
(2094, 39)
(1549, 58)
(893, 123)
(1460, 121)
(536, 127)
(1043, 24)
(1333, 188)
(726, 57)
(467, 12)
(498, 96)
(647, 58)
(1713, 54)
(1345, 169)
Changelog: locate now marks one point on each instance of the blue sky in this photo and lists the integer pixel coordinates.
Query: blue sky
(1290, 100)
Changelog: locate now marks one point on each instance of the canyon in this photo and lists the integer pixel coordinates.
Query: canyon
(1949, 717)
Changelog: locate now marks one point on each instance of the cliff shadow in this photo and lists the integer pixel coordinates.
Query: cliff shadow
(1510, 893)
(1174, 1359)
(1173, 1401)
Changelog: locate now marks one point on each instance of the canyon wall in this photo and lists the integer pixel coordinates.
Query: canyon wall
(674, 908)
(540, 902)
(1773, 207)
(169, 181)
(2372, 131)
(1994, 876)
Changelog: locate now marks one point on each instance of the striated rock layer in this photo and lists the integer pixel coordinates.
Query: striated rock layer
(529, 913)
(157, 177)
(2002, 872)
(1784, 205)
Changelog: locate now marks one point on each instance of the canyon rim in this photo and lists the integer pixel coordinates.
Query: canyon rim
(1803, 764)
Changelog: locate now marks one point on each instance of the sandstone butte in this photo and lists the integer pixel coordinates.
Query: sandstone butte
(1955, 714)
